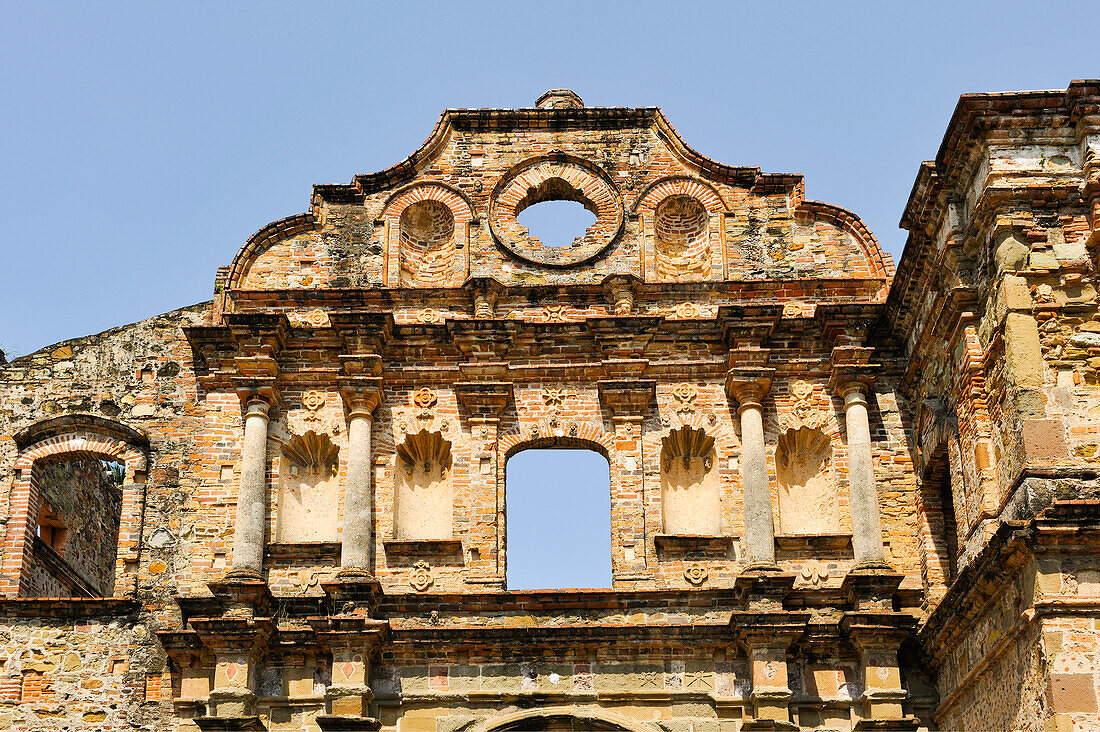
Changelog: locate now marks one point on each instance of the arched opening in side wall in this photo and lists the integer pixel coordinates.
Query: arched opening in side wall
(75, 541)
(558, 518)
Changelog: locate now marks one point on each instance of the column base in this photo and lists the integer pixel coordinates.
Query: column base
(870, 588)
(229, 724)
(341, 723)
(353, 591)
(243, 590)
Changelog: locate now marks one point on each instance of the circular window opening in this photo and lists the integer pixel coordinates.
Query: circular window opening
(557, 223)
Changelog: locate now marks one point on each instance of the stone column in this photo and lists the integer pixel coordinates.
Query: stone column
(358, 534)
(759, 529)
(863, 496)
(248, 537)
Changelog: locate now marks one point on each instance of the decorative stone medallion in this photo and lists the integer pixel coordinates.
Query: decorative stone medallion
(696, 574)
(421, 578)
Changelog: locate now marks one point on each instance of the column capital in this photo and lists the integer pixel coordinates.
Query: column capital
(748, 391)
(361, 394)
(257, 397)
(852, 368)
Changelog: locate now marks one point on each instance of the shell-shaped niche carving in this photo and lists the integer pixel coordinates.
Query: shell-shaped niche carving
(690, 487)
(427, 243)
(423, 503)
(681, 238)
(808, 495)
(309, 491)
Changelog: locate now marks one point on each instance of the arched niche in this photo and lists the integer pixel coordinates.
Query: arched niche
(423, 497)
(309, 491)
(690, 487)
(427, 249)
(808, 495)
(681, 238)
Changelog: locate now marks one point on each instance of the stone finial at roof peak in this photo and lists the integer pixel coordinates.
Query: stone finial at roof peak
(560, 99)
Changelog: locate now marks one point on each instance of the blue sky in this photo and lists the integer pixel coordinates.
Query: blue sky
(142, 143)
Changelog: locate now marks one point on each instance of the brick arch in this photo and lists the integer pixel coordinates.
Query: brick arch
(680, 185)
(455, 258)
(587, 436)
(79, 437)
(83, 444)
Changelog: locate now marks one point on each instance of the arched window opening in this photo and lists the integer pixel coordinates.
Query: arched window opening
(76, 539)
(557, 222)
(690, 487)
(309, 490)
(938, 505)
(558, 504)
(423, 498)
(808, 494)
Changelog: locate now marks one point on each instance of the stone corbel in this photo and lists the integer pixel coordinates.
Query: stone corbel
(627, 400)
(748, 326)
(623, 340)
(365, 336)
(619, 290)
(485, 400)
(852, 368)
(484, 292)
(484, 344)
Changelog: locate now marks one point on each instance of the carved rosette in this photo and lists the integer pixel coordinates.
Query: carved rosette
(316, 414)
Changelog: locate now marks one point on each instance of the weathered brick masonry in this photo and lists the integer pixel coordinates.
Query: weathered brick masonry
(842, 498)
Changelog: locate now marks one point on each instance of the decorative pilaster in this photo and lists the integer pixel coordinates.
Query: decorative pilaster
(352, 641)
(238, 645)
(485, 402)
(767, 637)
(877, 638)
(628, 401)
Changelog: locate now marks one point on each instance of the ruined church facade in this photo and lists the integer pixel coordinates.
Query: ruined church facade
(843, 497)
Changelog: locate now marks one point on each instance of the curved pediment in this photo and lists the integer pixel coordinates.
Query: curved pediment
(664, 213)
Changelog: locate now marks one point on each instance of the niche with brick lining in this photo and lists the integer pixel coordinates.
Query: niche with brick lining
(690, 486)
(309, 490)
(808, 495)
(423, 501)
(76, 540)
(681, 238)
(427, 244)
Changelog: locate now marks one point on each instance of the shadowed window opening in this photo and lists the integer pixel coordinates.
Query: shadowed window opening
(938, 501)
(76, 537)
(558, 519)
(556, 223)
